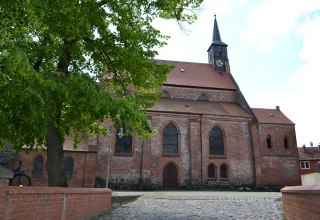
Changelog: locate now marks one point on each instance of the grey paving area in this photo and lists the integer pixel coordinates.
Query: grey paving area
(198, 205)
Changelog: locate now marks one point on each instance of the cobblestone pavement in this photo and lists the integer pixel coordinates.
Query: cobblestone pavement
(199, 205)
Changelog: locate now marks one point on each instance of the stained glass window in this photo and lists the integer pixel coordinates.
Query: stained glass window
(170, 139)
(216, 141)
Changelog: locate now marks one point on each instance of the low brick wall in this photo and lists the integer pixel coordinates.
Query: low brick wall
(51, 202)
(301, 202)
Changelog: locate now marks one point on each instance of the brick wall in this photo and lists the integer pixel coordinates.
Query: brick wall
(277, 166)
(51, 202)
(301, 202)
(84, 168)
(193, 157)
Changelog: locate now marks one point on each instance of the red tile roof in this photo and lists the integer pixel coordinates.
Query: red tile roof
(309, 153)
(271, 116)
(199, 107)
(198, 75)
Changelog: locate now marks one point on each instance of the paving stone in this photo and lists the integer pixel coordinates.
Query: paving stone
(201, 205)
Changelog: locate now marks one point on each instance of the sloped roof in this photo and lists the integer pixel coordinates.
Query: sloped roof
(271, 116)
(309, 153)
(199, 107)
(198, 75)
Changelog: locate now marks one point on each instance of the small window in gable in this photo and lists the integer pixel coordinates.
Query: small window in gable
(211, 171)
(285, 142)
(269, 143)
(37, 166)
(170, 139)
(166, 94)
(68, 163)
(123, 143)
(203, 97)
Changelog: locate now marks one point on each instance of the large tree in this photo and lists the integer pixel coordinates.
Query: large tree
(67, 64)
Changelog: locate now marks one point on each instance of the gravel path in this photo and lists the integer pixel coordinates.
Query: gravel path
(198, 205)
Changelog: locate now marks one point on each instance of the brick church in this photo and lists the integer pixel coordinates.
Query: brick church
(207, 134)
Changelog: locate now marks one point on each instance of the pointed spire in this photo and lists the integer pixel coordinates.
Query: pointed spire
(216, 38)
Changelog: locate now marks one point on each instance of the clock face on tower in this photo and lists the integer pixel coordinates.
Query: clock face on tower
(219, 63)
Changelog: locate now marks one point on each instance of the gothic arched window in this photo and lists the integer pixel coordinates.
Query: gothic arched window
(212, 171)
(170, 139)
(285, 142)
(269, 142)
(216, 142)
(37, 166)
(223, 171)
(68, 163)
(123, 143)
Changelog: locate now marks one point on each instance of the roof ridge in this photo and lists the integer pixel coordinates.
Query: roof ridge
(181, 61)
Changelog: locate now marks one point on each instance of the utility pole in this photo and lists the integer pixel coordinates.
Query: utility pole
(109, 154)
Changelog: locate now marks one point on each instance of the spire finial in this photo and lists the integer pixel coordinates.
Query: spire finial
(216, 34)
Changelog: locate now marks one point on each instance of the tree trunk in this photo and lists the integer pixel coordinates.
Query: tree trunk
(55, 158)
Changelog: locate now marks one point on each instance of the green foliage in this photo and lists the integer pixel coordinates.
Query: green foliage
(71, 64)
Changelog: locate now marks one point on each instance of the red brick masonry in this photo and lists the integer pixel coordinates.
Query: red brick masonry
(301, 202)
(51, 202)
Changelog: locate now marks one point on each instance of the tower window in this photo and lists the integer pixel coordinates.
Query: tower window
(216, 143)
(269, 143)
(170, 139)
(285, 142)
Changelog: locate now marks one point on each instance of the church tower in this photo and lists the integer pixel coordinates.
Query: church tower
(217, 52)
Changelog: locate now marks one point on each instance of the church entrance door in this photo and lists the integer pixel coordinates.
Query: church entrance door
(170, 176)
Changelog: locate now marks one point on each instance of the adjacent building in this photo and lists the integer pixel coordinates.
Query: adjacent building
(309, 158)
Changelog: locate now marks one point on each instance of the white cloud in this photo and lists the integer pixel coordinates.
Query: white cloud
(275, 18)
(299, 97)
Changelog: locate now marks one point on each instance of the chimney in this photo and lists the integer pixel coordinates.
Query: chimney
(304, 148)
(319, 146)
(278, 108)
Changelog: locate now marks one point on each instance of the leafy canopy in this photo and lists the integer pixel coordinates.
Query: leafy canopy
(72, 63)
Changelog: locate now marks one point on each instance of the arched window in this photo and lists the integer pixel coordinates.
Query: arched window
(68, 163)
(216, 141)
(166, 94)
(37, 166)
(123, 143)
(269, 142)
(223, 171)
(203, 97)
(285, 142)
(170, 139)
(212, 171)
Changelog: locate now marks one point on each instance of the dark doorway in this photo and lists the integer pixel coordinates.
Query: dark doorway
(170, 177)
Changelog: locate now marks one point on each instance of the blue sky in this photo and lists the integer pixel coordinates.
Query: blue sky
(274, 53)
